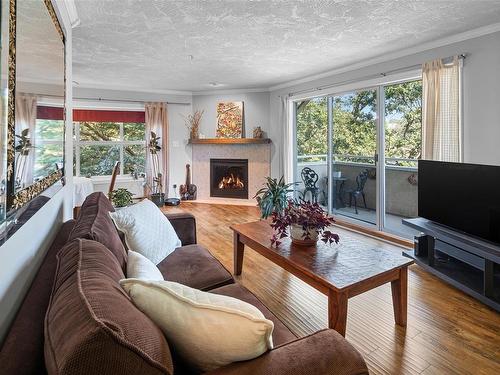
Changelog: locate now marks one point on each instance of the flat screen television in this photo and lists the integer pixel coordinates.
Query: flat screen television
(465, 197)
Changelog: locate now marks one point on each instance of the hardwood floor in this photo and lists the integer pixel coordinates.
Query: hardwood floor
(448, 332)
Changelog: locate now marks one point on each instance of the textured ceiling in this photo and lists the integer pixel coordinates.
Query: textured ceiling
(250, 44)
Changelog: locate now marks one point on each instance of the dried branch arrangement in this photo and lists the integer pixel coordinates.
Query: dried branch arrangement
(192, 122)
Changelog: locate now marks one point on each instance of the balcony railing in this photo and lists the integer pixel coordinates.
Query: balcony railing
(400, 179)
(360, 160)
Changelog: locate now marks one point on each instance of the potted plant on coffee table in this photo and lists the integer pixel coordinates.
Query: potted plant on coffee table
(307, 222)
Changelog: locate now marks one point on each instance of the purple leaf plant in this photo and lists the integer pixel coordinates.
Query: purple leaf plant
(309, 215)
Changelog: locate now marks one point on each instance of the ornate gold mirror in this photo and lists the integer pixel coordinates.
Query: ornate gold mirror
(34, 167)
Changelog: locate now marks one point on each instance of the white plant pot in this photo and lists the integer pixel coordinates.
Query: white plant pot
(298, 238)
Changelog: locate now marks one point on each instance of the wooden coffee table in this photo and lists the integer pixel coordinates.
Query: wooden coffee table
(340, 271)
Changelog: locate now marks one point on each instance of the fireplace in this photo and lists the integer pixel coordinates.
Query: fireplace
(229, 178)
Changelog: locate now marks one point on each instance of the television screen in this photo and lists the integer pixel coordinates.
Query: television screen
(465, 197)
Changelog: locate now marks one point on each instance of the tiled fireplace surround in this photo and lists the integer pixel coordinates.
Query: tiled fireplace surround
(259, 167)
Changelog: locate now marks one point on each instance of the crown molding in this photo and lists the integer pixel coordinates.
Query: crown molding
(97, 86)
(87, 85)
(229, 91)
(471, 34)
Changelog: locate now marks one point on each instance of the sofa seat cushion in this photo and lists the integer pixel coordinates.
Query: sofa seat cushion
(194, 266)
(92, 326)
(281, 333)
(94, 223)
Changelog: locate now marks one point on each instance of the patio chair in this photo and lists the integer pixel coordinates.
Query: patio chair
(359, 191)
(310, 178)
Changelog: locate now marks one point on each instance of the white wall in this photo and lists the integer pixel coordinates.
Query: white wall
(481, 82)
(255, 107)
(23, 253)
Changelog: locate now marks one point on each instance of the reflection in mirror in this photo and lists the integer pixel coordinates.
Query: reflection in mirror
(39, 114)
(4, 69)
(32, 110)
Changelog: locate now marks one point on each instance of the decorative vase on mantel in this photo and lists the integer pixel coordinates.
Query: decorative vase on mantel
(303, 237)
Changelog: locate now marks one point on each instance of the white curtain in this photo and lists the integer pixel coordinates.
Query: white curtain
(157, 122)
(441, 138)
(26, 119)
(286, 152)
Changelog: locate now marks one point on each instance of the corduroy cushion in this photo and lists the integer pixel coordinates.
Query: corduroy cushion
(94, 223)
(91, 325)
(22, 350)
(194, 266)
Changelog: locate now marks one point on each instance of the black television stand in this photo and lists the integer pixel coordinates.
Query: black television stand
(470, 264)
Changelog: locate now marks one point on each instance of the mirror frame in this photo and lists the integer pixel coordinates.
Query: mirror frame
(16, 200)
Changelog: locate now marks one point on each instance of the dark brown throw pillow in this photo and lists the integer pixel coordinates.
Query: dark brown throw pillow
(94, 223)
(91, 325)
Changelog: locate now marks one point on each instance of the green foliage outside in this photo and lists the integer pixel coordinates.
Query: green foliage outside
(354, 125)
(98, 160)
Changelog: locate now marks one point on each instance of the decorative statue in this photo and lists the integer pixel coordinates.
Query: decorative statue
(188, 190)
(257, 132)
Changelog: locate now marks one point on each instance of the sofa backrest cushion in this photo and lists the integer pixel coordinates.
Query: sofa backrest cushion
(22, 350)
(94, 223)
(91, 325)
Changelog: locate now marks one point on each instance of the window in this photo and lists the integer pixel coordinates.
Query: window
(101, 140)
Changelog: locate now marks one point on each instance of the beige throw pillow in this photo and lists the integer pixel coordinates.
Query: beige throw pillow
(208, 330)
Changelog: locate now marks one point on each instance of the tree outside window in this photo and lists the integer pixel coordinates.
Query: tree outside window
(99, 145)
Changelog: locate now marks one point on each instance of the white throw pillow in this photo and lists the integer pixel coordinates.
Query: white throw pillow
(147, 230)
(208, 330)
(140, 267)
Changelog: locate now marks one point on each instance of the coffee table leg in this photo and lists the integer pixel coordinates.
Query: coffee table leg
(337, 311)
(400, 296)
(239, 249)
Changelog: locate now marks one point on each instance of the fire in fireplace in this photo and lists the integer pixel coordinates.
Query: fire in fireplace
(229, 178)
(231, 182)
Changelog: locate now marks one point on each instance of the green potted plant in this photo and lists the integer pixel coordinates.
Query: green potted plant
(120, 197)
(157, 195)
(273, 197)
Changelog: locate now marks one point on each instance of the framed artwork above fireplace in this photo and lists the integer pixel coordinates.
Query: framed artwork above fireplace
(230, 120)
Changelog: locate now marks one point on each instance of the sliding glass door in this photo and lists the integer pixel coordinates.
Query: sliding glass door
(312, 150)
(357, 152)
(402, 148)
(354, 149)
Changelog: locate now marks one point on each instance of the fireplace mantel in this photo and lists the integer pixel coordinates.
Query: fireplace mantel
(231, 141)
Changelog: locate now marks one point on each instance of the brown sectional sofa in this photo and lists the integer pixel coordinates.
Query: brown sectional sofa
(92, 327)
